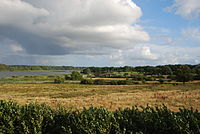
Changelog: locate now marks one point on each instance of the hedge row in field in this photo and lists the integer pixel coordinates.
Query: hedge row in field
(38, 119)
(108, 82)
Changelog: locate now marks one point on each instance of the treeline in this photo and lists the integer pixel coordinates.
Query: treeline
(4, 67)
(38, 119)
(148, 70)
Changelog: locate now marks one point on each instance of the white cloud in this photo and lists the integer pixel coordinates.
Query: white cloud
(192, 33)
(186, 8)
(17, 12)
(152, 54)
(71, 26)
(140, 53)
(176, 54)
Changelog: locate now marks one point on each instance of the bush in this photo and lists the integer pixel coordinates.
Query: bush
(34, 118)
(67, 77)
(100, 82)
(171, 77)
(148, 79)
(141, 78)
(161, 81)
(135, 82)
(137, 77)
(87, 81)
(58, 80)
(158, 121)
(143, 82)
(111, 82)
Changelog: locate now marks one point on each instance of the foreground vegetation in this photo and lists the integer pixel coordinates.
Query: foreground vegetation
(35, 119)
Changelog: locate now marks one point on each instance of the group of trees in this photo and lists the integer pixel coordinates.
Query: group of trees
(75, 75)
(181, 73)
(101, 70)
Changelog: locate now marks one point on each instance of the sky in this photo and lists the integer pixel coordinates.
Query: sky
(99, 32)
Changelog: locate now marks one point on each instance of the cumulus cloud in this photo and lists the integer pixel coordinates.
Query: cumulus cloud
(141, 53)
(86, 27)
(19, 13)
(186, 8)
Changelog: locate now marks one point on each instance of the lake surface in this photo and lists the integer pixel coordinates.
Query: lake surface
(31, 73)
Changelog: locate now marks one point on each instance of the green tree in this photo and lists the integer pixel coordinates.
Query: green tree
(86, 71)
(76, 76)
(58, 80)
(166, 70)
(183, 74)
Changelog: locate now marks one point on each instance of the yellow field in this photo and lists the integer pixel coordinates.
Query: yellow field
(110, 96)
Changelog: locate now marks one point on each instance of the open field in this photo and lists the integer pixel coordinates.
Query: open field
(110, 96)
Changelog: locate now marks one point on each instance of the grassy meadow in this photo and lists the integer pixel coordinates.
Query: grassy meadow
(72, 95)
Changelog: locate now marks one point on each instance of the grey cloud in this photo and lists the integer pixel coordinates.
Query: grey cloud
(32, 43)
(71, 26)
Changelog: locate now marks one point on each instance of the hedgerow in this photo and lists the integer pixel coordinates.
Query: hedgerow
(42, 119)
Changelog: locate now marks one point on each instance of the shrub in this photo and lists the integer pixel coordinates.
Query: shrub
(172, 77)
(67, 77)
(100, 82)
(143, 82)
(113, 82)
(135, 82)
(87, 81)
(137, 77)
(161, 81)
(58, 80)
(34, 118)
(148, 79)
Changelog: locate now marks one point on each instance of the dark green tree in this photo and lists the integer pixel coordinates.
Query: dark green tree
(197, 72)
(166, 70)
(87, 81)
(183, 74)
(99, 82)
(67, 77)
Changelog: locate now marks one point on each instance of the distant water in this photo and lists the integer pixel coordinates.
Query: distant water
(31, 73)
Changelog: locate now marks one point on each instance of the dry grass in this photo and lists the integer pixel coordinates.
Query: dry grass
(110, 96)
